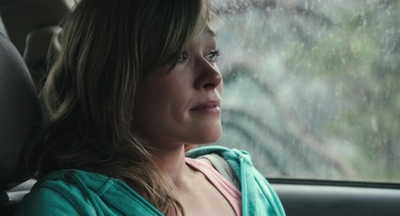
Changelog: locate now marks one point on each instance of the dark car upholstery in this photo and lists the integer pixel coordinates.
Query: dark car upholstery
(19, 111)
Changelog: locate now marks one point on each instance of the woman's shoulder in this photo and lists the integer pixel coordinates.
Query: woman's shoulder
(45, 202)
(70, 182)
(58, 193)
(77, 192)
(50, 197)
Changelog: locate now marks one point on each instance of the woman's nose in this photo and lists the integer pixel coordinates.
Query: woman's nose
(209, 76)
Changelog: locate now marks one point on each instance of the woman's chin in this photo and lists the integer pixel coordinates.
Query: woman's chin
(209, 136)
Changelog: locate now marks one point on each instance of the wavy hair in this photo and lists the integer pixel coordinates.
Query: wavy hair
(107, 49)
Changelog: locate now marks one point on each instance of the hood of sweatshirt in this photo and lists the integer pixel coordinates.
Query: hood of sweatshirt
(258, 197)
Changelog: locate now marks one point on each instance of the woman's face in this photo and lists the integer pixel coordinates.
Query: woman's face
(183, 106)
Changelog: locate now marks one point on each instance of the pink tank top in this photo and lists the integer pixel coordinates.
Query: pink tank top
(229, 191)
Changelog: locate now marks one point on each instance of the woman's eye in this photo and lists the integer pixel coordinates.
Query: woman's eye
(182, 58)
(213, 56)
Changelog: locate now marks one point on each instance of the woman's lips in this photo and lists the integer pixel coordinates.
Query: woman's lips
(211, 106)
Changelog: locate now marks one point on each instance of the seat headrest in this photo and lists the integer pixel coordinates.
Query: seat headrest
(38, 42)
(19, 111)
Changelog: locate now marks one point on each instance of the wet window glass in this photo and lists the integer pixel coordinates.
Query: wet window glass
(312, 87)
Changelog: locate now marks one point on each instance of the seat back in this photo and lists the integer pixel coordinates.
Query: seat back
(19, 111)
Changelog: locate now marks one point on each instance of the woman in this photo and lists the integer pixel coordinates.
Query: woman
(134, 87)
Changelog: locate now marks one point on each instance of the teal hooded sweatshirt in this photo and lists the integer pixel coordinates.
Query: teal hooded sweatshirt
(75, 192)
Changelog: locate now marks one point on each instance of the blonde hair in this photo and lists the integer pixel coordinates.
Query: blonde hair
(107, 48)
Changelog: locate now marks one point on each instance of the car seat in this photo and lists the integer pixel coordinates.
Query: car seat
(19, 111)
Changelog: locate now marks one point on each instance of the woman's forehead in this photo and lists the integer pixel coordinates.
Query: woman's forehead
(206, 35)
(207, 31)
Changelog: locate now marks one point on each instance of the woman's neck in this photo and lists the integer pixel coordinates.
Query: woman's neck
(171, 161)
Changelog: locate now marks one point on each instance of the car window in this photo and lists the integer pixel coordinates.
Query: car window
(2, 29)
(312, 88)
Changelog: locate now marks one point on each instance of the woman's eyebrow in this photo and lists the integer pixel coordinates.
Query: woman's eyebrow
(211, 32)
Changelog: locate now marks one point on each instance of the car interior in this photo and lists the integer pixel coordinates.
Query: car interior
(32, 27)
